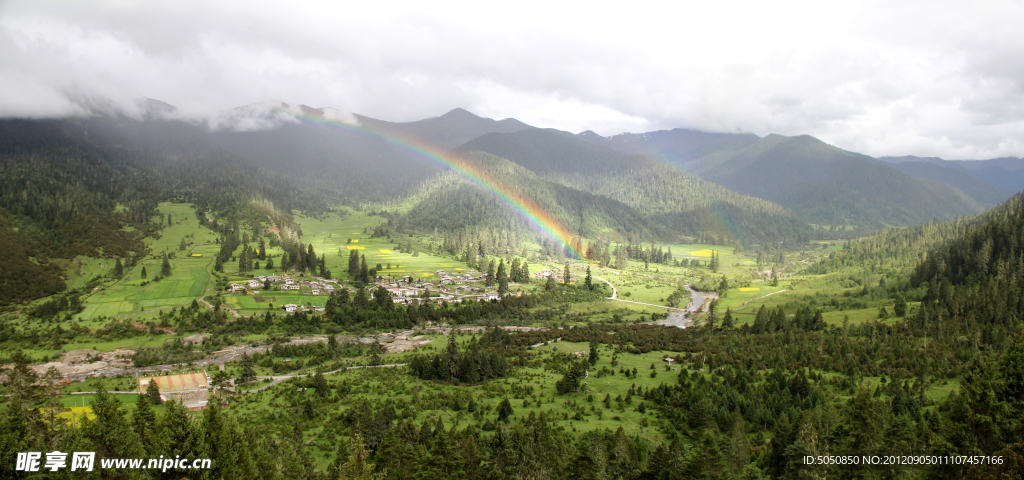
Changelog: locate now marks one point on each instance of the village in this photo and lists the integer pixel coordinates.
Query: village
(450, 287)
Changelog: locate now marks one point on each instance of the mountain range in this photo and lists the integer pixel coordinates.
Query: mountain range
(827, 185)
(71, 185)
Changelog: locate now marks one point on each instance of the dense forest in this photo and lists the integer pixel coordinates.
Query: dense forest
(69, 187)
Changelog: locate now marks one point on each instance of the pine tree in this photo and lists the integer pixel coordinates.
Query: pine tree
(899, 308)
(182, 246)
(153, 392)
(524, 274)
(570, 382)
(727, 320)
(118, 269)
(270, 264)
(165, 269)
(263, 249)
(594, 356)
(504, 410)
(565, 274)
(502, 279)
(549, 285)
(452, 360)
(490, 273)
(589, 281)
(513, 271)
(353, 263)
(144, 422)
(143, 273)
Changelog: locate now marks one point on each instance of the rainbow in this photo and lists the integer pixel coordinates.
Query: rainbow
(524, 207)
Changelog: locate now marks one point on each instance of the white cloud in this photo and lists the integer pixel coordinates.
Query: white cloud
(879, 78)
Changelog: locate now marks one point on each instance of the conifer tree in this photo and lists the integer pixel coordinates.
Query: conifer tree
(504, 410)
(153, 392)
(565, 274)
(549, 285)
(143, 273)
(182, 246)
(490, 273)
(524, 274)
(727, 320)
(452, 361)
(589, 281)
(263, 249)
(165, 269)
(144, 422)
(353, 263)
(118, 269)
(502, 279)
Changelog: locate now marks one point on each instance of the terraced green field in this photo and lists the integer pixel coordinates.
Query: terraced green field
(189, 277)
(330, 236)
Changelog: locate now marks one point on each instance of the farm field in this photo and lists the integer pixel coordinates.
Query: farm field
(329, 236)
(189, 277)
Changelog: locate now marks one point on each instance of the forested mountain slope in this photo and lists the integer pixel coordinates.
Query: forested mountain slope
(69, 186)
(677, 147)
(985, 193)
(1006, 172)
(679, 199)
(330, 158)
(826, 185)
(449, 202)
(62, 179)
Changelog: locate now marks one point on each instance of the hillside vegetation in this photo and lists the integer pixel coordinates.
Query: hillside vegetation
(678, 199)
(825, 185)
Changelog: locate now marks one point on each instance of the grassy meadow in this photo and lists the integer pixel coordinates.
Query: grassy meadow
(189, 279)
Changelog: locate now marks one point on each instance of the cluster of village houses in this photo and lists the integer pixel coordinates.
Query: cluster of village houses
(406, 290)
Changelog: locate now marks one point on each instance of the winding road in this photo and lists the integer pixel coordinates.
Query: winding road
(615, 295)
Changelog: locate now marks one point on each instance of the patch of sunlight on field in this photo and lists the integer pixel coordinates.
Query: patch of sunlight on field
(77, 412)
(384, 250)
(750, 289)
(351, 247)
(355, 240)
(428, 274)
(460, 269)
(701, 253)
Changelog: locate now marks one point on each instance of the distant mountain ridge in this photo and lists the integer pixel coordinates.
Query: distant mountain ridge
(677, 147)
(985, 193)
(824, 184)
(827, 185)
(1006, 173)
(447, 131)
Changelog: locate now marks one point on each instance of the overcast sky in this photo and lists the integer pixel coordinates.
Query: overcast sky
(881, 78)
